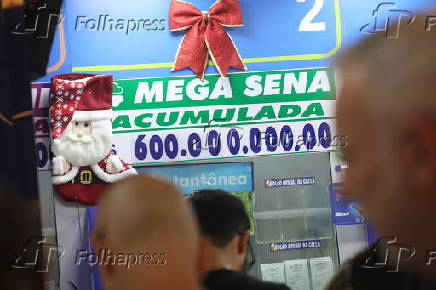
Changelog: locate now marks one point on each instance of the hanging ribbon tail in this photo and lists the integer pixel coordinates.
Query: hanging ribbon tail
(193, 52)
(222, 49)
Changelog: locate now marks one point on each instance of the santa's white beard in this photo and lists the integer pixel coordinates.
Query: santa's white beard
(87, 150)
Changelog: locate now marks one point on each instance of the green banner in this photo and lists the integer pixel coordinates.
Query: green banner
(237, 89)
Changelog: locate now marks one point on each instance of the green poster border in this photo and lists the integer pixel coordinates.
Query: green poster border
(99, 68)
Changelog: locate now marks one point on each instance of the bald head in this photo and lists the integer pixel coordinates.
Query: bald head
(144, 215)
(387, 110)
(143, 209)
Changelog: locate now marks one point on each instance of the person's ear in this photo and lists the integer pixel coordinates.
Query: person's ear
(107, 268)
(417, 156)
(108, 272)
(243, 243)
(203, 243)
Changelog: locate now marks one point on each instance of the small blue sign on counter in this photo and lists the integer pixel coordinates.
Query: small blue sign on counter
(344, 212)
(290, 181)
(232, 177)
(298, 245)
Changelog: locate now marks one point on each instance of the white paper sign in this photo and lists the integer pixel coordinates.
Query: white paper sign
(273, 272)
(322, 272)
(297, 274)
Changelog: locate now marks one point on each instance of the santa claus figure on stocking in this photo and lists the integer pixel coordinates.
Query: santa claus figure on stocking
(80, 120)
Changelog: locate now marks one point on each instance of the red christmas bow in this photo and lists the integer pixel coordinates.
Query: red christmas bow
(206, 35)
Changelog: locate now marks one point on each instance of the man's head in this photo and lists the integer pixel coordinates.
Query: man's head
(387, 111)
(225, 229)
(84, 142)
(140, 216)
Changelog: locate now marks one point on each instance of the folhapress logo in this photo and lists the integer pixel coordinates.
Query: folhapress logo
(38, 20)
(389, 19)
(388, 254)
(105, 23)
(38, 254)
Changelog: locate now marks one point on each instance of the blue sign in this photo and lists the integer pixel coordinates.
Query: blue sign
(232, 177)
(344, 212)
(137, 37)
(133, 40)
(298, 245)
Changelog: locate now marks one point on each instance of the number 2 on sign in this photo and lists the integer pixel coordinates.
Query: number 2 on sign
(307, 23)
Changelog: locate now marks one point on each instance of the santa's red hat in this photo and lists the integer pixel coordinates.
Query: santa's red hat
(79, 97)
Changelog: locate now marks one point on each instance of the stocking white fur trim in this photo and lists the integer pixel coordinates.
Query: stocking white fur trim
(112, 177)
(92, 115)
(66, 177)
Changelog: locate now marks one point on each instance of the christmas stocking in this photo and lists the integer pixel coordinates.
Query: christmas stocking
(81, 132)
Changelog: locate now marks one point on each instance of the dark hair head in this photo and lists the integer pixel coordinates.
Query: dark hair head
(221, 215)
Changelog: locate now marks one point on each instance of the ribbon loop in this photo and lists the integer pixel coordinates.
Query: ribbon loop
(206, 36)
(228, 13)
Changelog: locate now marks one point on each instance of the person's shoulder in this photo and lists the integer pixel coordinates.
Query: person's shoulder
(229, 280)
